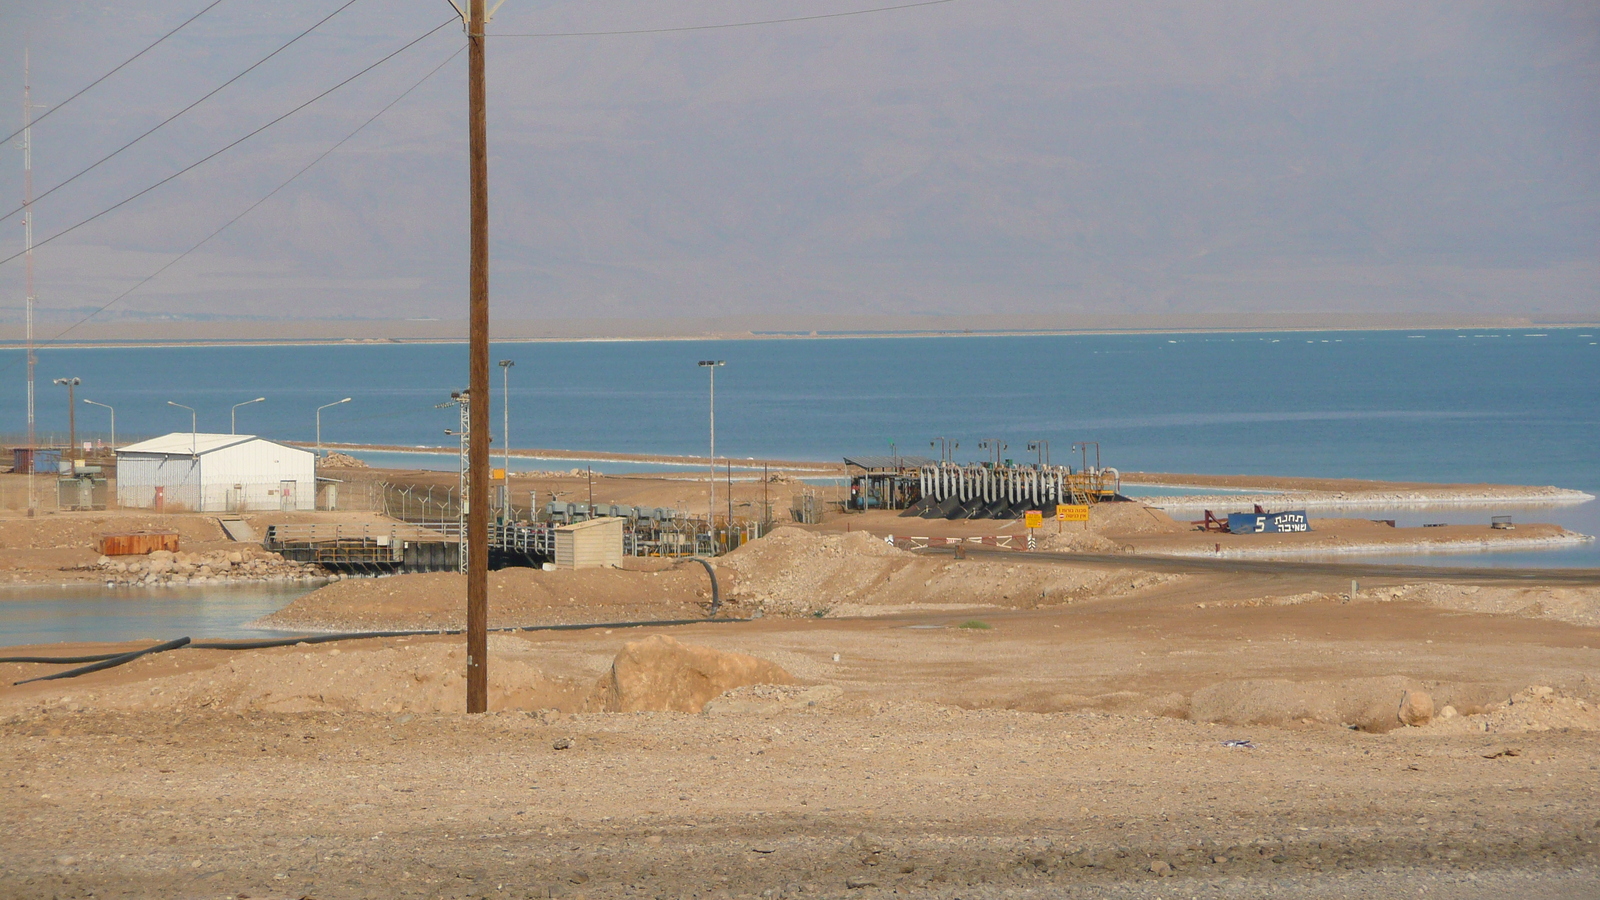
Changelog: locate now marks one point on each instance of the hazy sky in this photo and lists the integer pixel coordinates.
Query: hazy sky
(1026, 156)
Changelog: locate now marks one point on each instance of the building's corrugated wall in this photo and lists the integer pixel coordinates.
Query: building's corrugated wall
(139, 474)
(252, 475)
(246, 476)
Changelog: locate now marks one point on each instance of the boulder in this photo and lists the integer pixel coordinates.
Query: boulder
(1416, 708)
(660, 674)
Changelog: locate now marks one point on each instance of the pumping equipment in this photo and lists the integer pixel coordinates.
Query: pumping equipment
(1006, 489)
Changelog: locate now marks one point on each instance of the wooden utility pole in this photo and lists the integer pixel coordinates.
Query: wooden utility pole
(477, 536)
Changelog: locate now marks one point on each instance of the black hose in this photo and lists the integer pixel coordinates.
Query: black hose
(111, 663)
(112, 660)
(59, 660)
(268, 643)
(716, 595)
(367, 635)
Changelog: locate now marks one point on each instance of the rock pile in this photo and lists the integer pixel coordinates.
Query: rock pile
(214, 567)
(341, 461)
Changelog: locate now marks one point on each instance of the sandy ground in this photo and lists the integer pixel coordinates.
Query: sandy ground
(959, 728)
(978, 745)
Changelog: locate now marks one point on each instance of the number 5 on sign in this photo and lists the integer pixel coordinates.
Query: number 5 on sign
(1072, 513)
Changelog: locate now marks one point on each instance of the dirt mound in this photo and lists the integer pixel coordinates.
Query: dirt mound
(516, 597)
(402, 677)
(771, 699)
(83, 530)
(1370, 704)
(341, 461)
(661, 674)
(1574, 605)
(1077, 542)
(800, 573)
(1535, 708)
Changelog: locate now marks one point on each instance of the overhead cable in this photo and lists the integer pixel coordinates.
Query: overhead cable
(119, 204)
(251, 208)
(837, 15)
(159, 125)
(86, 88)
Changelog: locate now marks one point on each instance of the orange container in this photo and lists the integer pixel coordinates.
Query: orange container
(138, 543)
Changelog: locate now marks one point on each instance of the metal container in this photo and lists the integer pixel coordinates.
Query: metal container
(138, 543)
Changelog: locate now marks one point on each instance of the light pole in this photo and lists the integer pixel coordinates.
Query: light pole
(505, 428)
(710, 365)
(72, 413)
(1042, 448)
(194, 431)
(233, 414)
(113, 421)
(319, 422)
(1084, 447)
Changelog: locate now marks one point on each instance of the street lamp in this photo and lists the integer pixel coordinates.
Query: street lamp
(194, 431)
(233, 414)
(505, 427)
(319, 422)
(710, 365)
(113, 420)
(1042, 448)
(72, 410)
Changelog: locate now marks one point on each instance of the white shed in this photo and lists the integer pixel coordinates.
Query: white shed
(589, 544)
(215, 473)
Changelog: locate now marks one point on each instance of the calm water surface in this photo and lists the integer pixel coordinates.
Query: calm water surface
(48, 614)
(1508, 406)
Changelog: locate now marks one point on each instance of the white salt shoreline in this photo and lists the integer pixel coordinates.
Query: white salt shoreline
(1406, 548)
(1372, 501)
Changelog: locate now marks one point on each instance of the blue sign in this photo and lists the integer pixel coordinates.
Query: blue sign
(1268, 523)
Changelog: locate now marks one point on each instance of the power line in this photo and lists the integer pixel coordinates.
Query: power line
(251, 208)
(168, 119)
(236, 143)
(838, 15)
(119, 68)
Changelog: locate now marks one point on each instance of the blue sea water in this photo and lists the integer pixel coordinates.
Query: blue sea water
(1462, 406)
(1516, 406)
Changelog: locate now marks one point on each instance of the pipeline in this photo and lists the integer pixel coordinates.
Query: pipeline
(110, 663)
(104, 661)
(59, 660)
(716, 595)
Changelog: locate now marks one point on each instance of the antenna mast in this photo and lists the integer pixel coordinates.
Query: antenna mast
(27, 237)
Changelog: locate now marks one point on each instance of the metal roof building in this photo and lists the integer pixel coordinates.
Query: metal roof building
(215, 473)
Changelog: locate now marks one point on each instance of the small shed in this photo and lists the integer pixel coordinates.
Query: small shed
(215, 473)
(590, 544)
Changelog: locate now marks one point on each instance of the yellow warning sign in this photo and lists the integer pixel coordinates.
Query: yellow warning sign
(1072, 513)
(497, 474)
(1033, 518)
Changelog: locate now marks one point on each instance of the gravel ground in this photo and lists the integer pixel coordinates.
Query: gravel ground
(854, 799)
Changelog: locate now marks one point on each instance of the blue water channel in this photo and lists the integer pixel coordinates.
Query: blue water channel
(90, 612)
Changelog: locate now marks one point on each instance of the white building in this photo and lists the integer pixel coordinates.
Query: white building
(215, 473)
